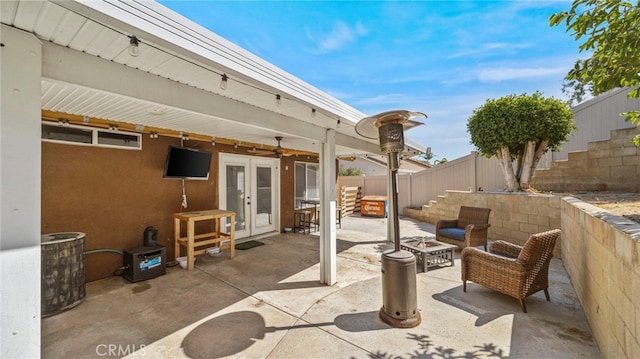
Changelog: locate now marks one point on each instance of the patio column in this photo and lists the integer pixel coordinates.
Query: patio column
(328, 209)
(20, 166)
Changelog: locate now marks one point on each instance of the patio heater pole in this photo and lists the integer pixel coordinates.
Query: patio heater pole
(399, 294)
(388, 139)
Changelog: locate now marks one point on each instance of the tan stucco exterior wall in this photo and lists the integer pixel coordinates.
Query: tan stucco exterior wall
(112, 195)
(599, 250)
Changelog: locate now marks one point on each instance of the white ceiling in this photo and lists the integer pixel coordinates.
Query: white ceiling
(174, 83)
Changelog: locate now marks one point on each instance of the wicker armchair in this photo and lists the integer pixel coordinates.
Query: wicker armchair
(469, 230)
(511, 269)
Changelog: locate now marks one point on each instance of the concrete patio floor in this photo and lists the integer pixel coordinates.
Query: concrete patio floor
(267, 302)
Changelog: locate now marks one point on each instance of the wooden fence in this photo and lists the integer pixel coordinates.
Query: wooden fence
(349, 200)
(469, 173)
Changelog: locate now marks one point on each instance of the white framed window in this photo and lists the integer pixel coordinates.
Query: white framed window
(307, 182)
(89, 136)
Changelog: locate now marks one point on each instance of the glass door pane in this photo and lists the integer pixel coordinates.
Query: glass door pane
(300, 184)
(313, 182)
(264, 197)
(236, 194)
(249, 187)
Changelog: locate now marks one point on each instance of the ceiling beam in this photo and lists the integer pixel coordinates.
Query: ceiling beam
(74, 67)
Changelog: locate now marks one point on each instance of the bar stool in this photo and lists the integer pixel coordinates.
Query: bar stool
(316, 220)
(302, 221)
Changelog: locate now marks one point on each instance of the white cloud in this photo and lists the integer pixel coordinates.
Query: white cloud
(511, 73)
(341, 36)
(489, 49)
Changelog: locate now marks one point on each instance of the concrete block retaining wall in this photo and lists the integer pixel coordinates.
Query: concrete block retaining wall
(601, 253)
(514, 216)
(599, 250)
(612, 165)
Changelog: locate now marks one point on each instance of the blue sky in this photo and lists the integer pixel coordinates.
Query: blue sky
(443, 58)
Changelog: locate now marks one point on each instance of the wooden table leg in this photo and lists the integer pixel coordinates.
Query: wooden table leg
(190, 244)
(232, 234)
(176, 238)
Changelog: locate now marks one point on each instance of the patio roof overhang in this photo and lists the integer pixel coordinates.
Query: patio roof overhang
(174, 82)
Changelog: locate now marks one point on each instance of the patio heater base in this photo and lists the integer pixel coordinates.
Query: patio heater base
(400, 323)
(399, 294)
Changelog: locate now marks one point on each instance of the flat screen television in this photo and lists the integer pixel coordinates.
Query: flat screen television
(187, 163)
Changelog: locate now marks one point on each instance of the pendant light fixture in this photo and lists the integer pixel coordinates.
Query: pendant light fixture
(134, 50)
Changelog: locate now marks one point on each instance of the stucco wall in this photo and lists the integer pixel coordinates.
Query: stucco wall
(112, 195)
(599, 250)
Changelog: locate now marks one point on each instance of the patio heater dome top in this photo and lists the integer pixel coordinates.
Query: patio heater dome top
(368, 126)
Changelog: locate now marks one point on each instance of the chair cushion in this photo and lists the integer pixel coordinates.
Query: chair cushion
(455, 233)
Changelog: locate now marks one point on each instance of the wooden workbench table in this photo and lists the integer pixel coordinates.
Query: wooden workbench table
(197, 243)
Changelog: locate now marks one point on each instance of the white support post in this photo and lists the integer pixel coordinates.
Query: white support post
(328, 209)
(20, 165)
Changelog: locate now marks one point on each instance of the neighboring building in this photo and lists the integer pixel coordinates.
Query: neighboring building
(595, 119)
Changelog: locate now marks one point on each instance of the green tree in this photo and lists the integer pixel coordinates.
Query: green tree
(351, 171)
(518, 130)
(610, 32)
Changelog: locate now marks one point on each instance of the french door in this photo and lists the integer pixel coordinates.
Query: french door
(249, 186)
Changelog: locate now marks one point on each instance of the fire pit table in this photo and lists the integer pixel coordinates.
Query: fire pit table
(429, 252)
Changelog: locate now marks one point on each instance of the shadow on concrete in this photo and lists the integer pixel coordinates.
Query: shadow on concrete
(455, 297)
(225, 335)
(361, 322)
(553, 319)
(116, 312)
(232, 333)
(426, 349)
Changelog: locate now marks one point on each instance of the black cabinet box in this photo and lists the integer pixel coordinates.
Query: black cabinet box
(142, 263)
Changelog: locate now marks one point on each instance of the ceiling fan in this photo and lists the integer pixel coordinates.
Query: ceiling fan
(277, 151)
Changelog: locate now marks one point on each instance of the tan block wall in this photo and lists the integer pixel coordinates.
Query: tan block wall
(514, 216)
(599, 250)
(601, 253)
(609, 165)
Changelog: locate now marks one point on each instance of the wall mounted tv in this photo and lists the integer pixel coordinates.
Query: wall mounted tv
(187, 163)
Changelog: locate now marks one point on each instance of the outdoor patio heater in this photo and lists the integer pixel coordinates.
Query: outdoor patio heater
(399, 294)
